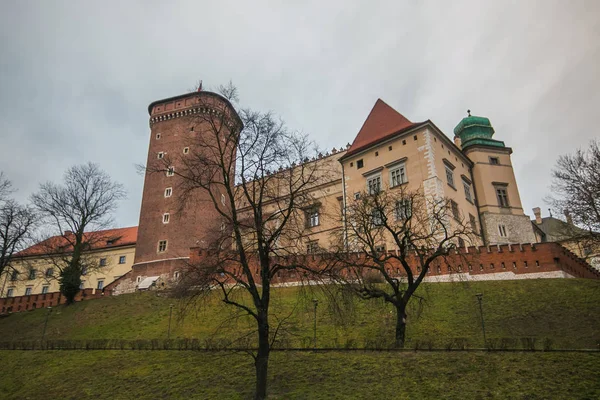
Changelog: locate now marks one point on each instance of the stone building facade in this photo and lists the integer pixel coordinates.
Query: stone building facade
(473, 170)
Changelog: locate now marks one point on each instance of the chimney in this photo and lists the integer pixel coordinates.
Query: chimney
(568, 217)
(538, 215)
(457, 142)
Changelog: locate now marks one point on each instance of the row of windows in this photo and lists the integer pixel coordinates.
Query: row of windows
(32, 274)
(45, 289)
(161, 154)
(360, 163)
(397, 177)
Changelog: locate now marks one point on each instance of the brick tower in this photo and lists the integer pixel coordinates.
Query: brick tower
(168, 227)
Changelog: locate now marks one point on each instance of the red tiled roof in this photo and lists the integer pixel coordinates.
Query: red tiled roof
(99, 240)
(383, 121)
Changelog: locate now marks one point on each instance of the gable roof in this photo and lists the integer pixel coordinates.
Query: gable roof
(100, 240)
(556, 230)
(383, 121)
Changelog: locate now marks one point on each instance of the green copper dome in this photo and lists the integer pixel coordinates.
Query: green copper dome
(474, 130)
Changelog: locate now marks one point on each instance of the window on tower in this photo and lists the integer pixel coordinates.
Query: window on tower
(160, 155)
(162, 246)
(170, 171)
(502, 194)
(166, 218)
(168, 192)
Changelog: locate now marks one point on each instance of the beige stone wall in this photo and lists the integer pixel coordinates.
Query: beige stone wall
(424, 152)
(512, 218)
(108, 273)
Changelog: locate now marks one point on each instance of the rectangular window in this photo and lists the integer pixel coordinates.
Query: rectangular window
(10, 292)
(467, 187)
(360, 164)
(398, 176)
(82, 285)
(473, 223)
(32, 273)
(160, 155)
(502, 230)
(45, 289)
(494, 161)
(28, 291)
(450, 176)
(502, 196)
(312, 247)
(162, 246)
(84, 270)
(461, 242)
(312, 217)
(49, 272)
(157, 136)
(168, 192)
(122, 259)
(14, 276)
(374, 185)
(103, 262)
(377, 217)
(100, 285)
(455, 212)
(186, 150)
(170, 171)
(403, 209)
(166, 218)
(380, 249)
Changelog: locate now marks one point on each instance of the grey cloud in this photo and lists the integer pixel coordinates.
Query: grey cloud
(76, 77)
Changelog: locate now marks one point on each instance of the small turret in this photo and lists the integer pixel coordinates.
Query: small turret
(474, 130)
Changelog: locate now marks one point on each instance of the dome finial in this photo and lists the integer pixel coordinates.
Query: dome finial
(469, 112)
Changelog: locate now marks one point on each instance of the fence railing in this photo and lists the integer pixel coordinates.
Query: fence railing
(457, 344)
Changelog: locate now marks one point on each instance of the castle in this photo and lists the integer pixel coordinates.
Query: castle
(473, 170)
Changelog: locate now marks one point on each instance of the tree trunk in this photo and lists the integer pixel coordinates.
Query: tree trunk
(70, 281)
(262, 359)
(400, 325)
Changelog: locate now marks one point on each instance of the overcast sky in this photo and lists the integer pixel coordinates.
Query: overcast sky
(76, 77)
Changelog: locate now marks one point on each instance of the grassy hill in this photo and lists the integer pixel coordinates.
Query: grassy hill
(566, 311)
(329, 375)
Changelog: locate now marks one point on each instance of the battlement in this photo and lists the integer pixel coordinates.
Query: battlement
(503, 262)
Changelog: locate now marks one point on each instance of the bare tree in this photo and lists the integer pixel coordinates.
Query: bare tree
(576, 192)
(256, 174)
(397, 237)
(78, 208)
(16, 225)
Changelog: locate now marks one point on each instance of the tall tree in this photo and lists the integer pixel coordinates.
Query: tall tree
(398, 236)
(16, 225)
(76, 209)
(576, 188)
(258, 178)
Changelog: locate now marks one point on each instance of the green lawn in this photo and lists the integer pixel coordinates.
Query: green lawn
(566, 311)
(329, 375)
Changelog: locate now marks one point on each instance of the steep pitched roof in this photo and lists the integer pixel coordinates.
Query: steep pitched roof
(99, 240)
(383, 121)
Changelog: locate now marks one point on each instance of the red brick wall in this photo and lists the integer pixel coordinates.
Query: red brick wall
(188, 226)
(527, 259)
(31, 302)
